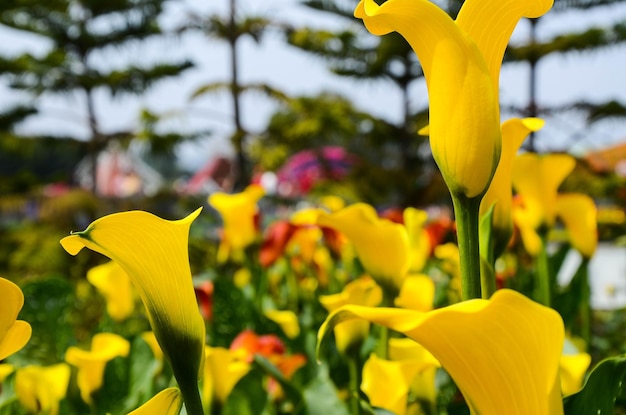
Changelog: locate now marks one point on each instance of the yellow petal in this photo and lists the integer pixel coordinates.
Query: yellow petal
(419, 242)
(362, 291)
(14, 334)
(167, 402)
(386, 383)
(537, 178)
(463, 103)
(115, 286)
(579, 214)
(417, 293)
(514, 132)
(573, 370)
(423, 386)
(382, 245)
(223, 368)
(91, 363)
(287, 320)
(5, 370)
(154, 254)
(503, 353)
(41, 389)
(490, 25)
(238, 215)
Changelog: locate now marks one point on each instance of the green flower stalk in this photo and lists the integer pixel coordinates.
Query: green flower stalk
(154, 254)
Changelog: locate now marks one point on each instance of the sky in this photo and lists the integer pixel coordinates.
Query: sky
(595, 76)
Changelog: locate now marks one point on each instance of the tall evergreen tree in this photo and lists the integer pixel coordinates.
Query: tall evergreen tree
(231, 29)
(590, 39)
(77, 31)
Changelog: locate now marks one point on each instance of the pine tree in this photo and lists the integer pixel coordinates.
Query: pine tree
(77, 31)
(591, 39)
(231, 29)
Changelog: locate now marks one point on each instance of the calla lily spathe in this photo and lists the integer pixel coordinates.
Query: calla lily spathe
(40, 389)
(167, 402)
(223, 368)
(154, 254)
(91, 363)
(503, 353)
(381, 245)
(387, 383)
(461, 62)
(363, 291)
(239, 214)
(500, 192)
(537, 178)
(115, 286)
(14, 334)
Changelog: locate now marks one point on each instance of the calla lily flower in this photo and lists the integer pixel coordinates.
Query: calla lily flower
(239, 214)
(14, 334)
(579, 215)
(461, 62)
(223, 368)
(167, 402)
(417, 293)
(363, 291)
(91, 363)
(500, 192)
(154, 254)
(503, 353)
(573, 370)
(115, 286)
(536, 178)
(386, 383)
(41, 389)
(381, 245)
(423, 386)
(5, 370)
(287, 320)
(419, 241)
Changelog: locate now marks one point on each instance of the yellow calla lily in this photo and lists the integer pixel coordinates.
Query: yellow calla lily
(573, 370)
(167, 402)
(91, 363)
(503, 353)
(381, 245)
(5, 370)
(238, 212)
(41, 389)
(419, 241)
(115, 286)
(417, 293)
(423, 386)
(386, 383)
(223, 368)
(536, 178)
(500, 192)
(154, 254)
(14, 334)
(461, 62)
(362, 291)
(579, 215)
(287, 320)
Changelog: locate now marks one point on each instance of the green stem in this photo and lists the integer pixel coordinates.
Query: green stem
(353, 367)
(191, 396)
(543, 289)
(585, 303)
(467, 220)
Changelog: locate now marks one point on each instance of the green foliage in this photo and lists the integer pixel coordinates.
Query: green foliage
(601, 389)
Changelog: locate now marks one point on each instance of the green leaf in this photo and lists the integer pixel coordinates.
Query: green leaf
(321, 396)
(142, 372)
(291, 392)
(601, 389)
(248, 397)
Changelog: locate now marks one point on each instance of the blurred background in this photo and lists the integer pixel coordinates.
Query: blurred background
(151, 104)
